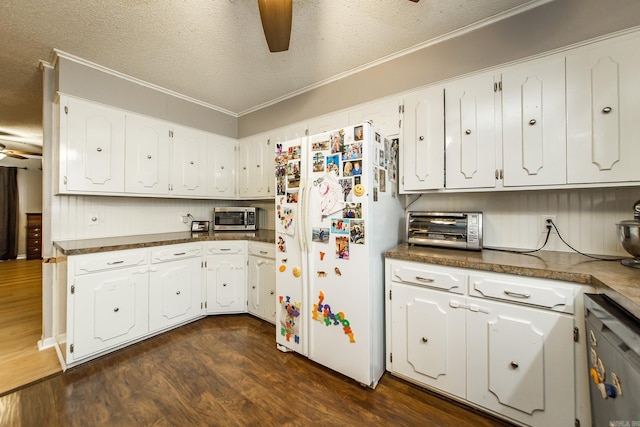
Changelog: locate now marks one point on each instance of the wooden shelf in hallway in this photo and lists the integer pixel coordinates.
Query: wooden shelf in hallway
(21, 362)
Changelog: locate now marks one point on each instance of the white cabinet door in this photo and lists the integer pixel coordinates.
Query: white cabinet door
(327, 123)
(222, 167)
(92, 141)
(147, 155)
(226, 283)
(190, 158)
(422, 143)
(603, 106)
(384, 115)
(471, 132)
(520, 362)
(428, 338)
(109, 309)
(261, 282)
(175, 292)
(533, 123)
(255, 166)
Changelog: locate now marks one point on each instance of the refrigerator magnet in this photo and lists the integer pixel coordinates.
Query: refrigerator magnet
(296, 272)
(358, 190)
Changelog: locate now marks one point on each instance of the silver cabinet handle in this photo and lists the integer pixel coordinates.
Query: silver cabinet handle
(179, 253)
(607, 110)
(148, 156)
(191, 162)
(516, 294)
(224, 284)
(424, 279)
(514, 364)
(178, 293)
(532, 122)
(468, 131)
(115, 262)
(99, 149)
(421, 138)
(425, 339)
(225, 249)
(264, 252)
(272, 292)
(115, 310)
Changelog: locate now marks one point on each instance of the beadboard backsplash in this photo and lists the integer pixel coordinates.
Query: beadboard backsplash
(124, 216)
(586, 218)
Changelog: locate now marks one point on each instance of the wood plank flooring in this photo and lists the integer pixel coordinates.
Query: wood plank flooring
(21, 362)
(222, 371)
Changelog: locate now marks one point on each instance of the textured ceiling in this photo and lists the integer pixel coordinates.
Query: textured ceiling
(213, 50)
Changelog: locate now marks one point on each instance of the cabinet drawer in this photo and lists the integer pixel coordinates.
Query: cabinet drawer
(174, 252)
(547, 294)
(227, 248)
(429, 276)
(34, 233)
(265, 250)
(110, 261)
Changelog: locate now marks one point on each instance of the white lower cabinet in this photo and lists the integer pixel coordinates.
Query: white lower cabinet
(175, 285)
(106, 302)
(506, 344)
(226, 277)
(261, 281)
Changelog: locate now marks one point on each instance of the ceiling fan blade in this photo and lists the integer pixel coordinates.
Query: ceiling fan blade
(15, 156)
(276, 23)
(27, 153)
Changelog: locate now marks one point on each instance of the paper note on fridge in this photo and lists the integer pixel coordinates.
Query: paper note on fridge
(286, 220)
(330, 191)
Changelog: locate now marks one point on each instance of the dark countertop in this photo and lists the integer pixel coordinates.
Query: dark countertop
(105, 244)
(620, 283)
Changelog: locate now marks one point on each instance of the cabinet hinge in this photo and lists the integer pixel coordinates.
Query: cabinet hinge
(306, 132)
(390, 357)
(170, 134)
(73, 289)
(576, 334)
(65, 180)
(390, 293)
(66, 109)
(71, 348)
(576, 423)
(205, 304)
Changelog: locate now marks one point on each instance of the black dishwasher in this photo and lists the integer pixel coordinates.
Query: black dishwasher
(613, 346)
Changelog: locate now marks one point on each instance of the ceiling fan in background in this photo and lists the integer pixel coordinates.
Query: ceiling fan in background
(16, 154)
(276, 22)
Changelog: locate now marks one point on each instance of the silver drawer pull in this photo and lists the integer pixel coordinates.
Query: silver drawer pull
(606, 110)
(424, 279)
(178, 293)
(115, 262)
(516, 294)
(225, 249)
(425, 339)
(264, 252)
(514, 365)
(179, 253)
(115, 310)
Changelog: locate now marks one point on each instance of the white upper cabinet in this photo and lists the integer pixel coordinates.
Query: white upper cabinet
(471, 132)
(190, 158)
(327, 122)
(603, 107)
(422, 143)
(383, 115)
(222, 167)
(92, 145)
(533, 123)
(147, 155)
(255, 158)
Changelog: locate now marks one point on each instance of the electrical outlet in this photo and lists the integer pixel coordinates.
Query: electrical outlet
(544, 222)
(183, 217)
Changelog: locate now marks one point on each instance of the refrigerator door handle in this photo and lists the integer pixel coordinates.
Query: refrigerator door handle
(301, 215)
(307, 232)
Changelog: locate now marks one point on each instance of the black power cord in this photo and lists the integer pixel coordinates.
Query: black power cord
(551, 224)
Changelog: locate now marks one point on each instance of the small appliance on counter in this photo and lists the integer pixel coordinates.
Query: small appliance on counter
(235, 219)
(462, 230)
(629, 235)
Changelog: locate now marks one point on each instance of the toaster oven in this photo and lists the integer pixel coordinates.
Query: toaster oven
(461, 230)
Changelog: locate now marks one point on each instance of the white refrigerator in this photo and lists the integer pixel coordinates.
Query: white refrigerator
(337, 211)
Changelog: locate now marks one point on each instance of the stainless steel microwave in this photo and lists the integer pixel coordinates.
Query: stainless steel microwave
(239, 219)
(461, 230)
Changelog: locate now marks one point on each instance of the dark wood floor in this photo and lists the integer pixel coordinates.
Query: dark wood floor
(222, 370)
